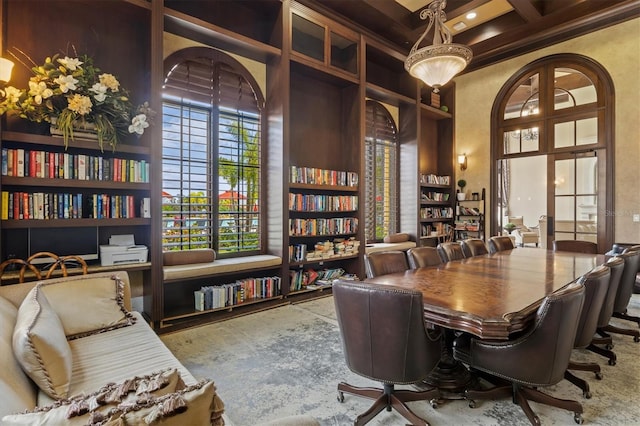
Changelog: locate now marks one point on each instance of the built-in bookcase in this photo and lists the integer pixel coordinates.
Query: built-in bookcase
(319, 73)
(323, 226)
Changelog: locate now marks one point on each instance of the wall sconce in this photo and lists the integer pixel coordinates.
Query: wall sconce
(6, 66)
(462, 160)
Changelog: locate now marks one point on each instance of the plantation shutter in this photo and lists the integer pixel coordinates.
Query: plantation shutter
(381, 161)
(217, 152)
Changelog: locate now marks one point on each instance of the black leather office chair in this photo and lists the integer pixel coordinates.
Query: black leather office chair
(616, 266)
(576, 246)
(500, 243)
(385, 262)
(535, 359)
(595, 284)
(422, 257)
(384, 339)
(473, 247)
(625, 290)
(450, 251)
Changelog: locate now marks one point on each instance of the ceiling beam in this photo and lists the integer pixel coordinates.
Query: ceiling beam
(526, 10)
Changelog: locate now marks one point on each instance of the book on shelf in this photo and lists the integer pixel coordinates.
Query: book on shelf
(312, 279)
(432, 179)
(42, 164)
(231, 294)
(316, 176)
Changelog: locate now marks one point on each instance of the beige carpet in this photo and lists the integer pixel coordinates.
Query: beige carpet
(288, 361)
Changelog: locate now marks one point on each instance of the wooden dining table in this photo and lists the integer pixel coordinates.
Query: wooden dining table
(493, 295)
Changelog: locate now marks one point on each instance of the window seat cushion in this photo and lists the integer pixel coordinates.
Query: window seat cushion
(406, 245)
(220, 266)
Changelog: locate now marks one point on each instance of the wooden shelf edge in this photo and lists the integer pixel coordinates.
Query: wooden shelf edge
(74, 183)
(320, 261)
(73, 223)
(35, 139)
(240, 41)
(334, 188)
(194, 313)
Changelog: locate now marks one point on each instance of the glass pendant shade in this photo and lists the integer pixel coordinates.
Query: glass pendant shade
(6, 66)
(438, 63)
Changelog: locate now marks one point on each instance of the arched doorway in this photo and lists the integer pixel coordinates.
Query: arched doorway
(552, 147)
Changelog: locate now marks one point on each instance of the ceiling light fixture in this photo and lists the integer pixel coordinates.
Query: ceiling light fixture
(440, 62)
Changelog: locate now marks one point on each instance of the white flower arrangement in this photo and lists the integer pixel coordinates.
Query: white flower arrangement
(72, 93)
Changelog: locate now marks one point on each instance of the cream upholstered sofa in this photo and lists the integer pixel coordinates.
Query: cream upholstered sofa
(524, 235)
(72, 352)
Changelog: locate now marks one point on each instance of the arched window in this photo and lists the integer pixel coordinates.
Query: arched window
(381, 173)
(211, 157)
(553, 149)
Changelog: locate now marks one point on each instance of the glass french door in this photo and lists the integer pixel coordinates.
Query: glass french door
(572, 204)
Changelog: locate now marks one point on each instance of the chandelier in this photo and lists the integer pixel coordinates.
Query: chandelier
(440, 62)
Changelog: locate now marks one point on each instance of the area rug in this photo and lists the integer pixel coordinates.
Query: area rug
(289, 360)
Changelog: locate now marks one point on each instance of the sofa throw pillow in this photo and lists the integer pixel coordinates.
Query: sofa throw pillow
(87, 409)
(195, 405)
(15, 386)
(40, 346)
(88, 305)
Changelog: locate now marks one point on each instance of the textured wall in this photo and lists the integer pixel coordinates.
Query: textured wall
(617, 49)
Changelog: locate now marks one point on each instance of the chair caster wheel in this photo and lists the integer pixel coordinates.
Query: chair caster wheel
(340, 397)
(636, 339)
(434, 403)
(599, 375)
(612, 362)
(586, 394)
(608, 346)
(472, 403)
(577, 417)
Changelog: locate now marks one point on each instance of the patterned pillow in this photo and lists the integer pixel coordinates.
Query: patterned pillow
(40, 346)
(88, 305)
(195, 405)
(91, 408)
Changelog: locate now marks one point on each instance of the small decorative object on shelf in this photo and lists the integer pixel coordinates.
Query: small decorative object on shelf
(77, 99)
(461, 195)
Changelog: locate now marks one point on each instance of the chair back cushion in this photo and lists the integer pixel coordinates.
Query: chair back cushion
(422, 257)
(576, 246)
(616, 265)
(595, 284)
(540, 356)
(450, 251)
(473, 247)
(385, 262)
(628, 279)
(500, 243)
(383, 332)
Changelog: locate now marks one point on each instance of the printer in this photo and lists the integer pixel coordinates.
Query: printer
(122, 249)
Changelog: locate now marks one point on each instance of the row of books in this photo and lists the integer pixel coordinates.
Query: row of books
(468, 211)
(46, 205)
(323, 250)
(314, 176)
(220, 296)
(300, 280)
(329, 226)
(427, 179)
(322, 203)
(434, 196)
(436, 230)
(62, 165)
(436, 212)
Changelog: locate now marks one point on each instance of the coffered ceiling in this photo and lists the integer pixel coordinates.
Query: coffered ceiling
(500, 30)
